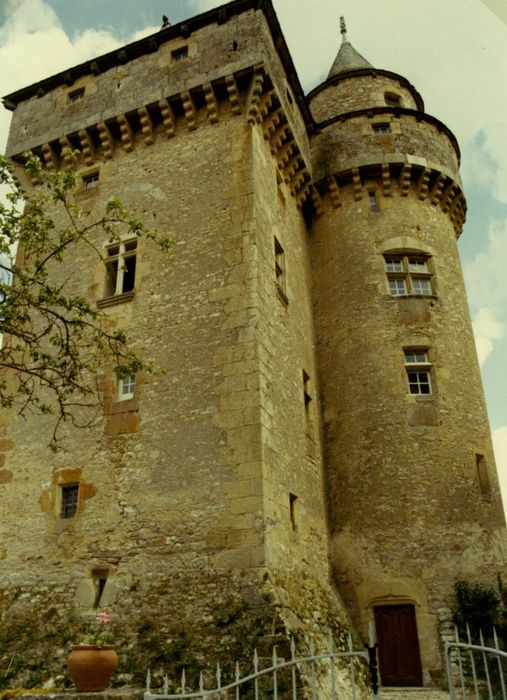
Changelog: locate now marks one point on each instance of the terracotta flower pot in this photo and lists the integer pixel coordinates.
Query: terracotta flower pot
(91, 666)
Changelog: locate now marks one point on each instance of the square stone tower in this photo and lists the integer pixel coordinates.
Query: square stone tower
(315, 430)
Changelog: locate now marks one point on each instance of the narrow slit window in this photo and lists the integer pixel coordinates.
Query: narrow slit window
(308, 404)
(99, 578)
(483, 477)
(280, 273)
(292, 510)
(69, 500)
(372, 198)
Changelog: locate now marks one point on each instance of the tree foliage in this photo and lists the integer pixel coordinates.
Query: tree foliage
(55, 340)
(481, 608)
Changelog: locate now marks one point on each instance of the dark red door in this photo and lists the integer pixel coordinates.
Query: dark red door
(398, 645)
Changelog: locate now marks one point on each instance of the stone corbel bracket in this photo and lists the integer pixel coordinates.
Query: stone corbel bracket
(250, 93)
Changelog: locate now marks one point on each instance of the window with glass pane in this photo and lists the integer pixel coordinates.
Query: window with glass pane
(416, 356)
(421, 287)
(394, 264)
(397, 287)
(409, 275)
(418, 265)
(126, 387)
(120, 268)
(419, 382)
(69, 500)
(374, 205)
(418, 371)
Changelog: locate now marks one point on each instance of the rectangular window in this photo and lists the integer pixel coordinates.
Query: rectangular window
(120, 267)
(292, 506)
(418, 370)
(76, 95)
(397, 287)
(69, 500)
(421, 287)
(392, 99)
(126, 387)
(418, 265)
(483, 477)
(179, 54)
(394, 264)
(91, 180)
(372, 198)
(381, 128)
(409, 275)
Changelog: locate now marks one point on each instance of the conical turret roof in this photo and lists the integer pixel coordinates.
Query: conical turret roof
(348, 58)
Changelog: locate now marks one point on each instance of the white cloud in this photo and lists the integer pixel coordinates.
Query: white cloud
(500, 445)
(485, 274)
(33, 45)
(487, 329)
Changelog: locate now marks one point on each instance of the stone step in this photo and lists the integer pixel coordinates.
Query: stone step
(413, 694)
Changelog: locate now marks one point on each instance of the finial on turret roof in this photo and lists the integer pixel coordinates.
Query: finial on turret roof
(343, 28)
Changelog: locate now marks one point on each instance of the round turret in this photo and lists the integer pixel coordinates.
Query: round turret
(413, 496)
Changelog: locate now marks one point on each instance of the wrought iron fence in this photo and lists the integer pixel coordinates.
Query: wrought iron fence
(476, 670)
(331, 675)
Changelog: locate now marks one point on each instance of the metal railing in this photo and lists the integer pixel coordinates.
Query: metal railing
(331, 675)
(479, 669)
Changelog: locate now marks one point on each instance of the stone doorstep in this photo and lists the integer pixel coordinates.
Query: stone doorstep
(72, 694)
(411, 693)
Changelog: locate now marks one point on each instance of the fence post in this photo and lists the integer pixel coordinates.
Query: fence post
(372, 665)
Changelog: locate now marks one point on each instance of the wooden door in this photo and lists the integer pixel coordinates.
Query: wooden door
(398, 645)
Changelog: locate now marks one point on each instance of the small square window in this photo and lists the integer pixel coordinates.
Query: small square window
(381, 128)
(76, 95)
(421, 286)
(126, 387)
(419, 382)
(392, 99)
(394, 264)
(69, 500)
(91, 180)
(397, 287)
(418, 265)
(179, 54)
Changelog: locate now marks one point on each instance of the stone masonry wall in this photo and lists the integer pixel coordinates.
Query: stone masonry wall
(184, 515)
(427, 521)
(357, 92)
(352, 143)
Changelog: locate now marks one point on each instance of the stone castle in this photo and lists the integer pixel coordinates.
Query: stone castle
(316, 454)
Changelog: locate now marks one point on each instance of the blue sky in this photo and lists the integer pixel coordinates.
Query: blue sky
(454, 52)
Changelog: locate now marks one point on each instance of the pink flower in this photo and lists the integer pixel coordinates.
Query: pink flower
(103, 617)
